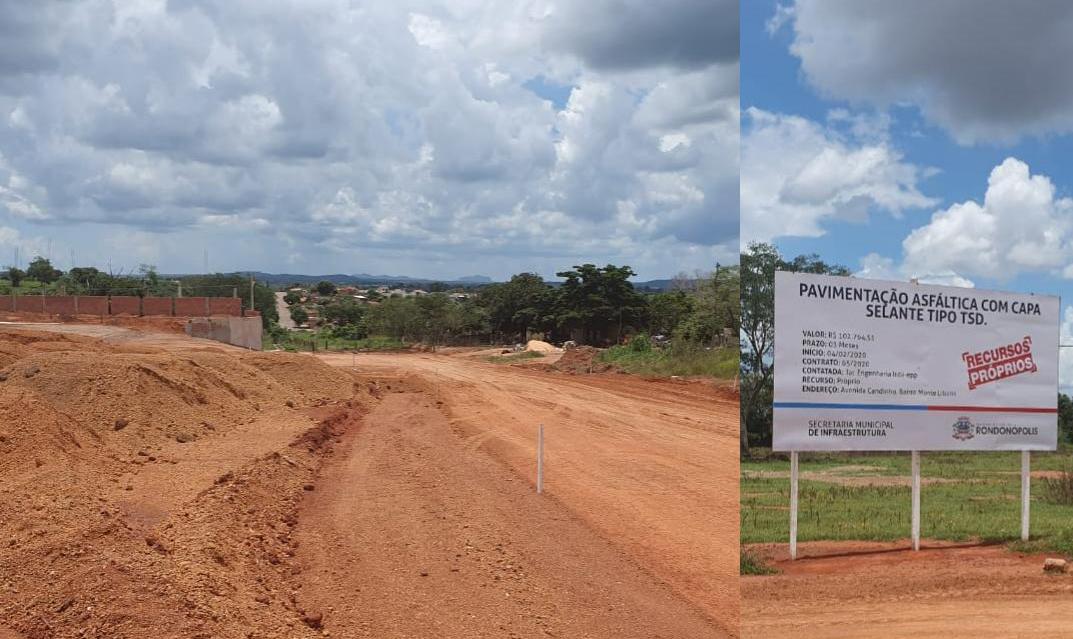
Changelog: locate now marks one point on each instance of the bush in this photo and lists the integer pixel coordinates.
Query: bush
(750, 564)
(640, 343)
(1059, 489)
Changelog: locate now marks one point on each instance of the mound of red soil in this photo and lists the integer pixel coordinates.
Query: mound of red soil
(581, 359)
(113, 519)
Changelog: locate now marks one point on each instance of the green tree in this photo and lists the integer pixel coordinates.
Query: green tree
(394, 317)
(667, 310)
(716, 307)
(757, 281)
(299, 315)
(599, 303)
(15, 275)
(433, 316)
(292, 297)
(516, 307)
(345, 311)
(1065, 418)
(325, 288)
(41, 269)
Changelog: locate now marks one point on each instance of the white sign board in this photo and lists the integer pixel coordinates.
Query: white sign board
(872, 365)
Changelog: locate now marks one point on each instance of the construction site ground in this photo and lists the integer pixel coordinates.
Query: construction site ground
(884, 590)
(158, 485)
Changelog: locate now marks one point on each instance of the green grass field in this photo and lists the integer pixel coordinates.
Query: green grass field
(721, 363)
(964, 496)
(304, 341)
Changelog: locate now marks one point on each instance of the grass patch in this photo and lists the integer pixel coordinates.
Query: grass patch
(296, 341)
(750, 564)
(513, 357)
(721, 363)
(979, 498)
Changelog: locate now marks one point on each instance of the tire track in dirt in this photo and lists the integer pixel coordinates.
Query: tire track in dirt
(651, 466)
(413, 533)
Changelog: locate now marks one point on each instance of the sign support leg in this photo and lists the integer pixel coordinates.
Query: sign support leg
(540, 459)
(916, 499)
(793, 504)
(1026, 486)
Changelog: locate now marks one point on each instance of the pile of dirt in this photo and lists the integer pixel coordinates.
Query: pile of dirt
(581, 359)
(538, 346)
(91, 431)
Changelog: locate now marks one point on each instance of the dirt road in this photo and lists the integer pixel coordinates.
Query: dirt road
(650, 466)
(413, 533)
(284, 311)
(165, 486)
(881, 590)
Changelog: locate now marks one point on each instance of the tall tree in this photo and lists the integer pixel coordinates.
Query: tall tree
(41, 269)
(598, 301)
(758, 265)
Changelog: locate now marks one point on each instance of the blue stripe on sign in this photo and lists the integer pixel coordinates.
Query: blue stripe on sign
(851, 406)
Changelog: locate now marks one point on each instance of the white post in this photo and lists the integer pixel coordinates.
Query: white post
(793, 504)
(916, 500)
(1026, 485)
(540, 459)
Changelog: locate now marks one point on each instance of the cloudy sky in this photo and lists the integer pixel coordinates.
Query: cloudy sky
(886, 137)
(419, 138)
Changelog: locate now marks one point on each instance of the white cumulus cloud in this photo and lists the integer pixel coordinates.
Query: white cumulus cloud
(797, 174)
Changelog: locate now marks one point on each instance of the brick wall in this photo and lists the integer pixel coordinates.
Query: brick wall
(122, 305)
(156, 306)
(225, 306)
(93, 304)
(191, 306)
(126, 305)
(60, 305)
(28, 304)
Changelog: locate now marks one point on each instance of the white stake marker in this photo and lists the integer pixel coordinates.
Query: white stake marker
(540, 459)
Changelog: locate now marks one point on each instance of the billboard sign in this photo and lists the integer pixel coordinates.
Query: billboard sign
(872, 365)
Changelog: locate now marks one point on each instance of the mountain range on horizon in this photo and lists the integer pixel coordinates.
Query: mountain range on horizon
(277, 279)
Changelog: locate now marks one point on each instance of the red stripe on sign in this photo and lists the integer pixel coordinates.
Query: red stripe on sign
(993, 409)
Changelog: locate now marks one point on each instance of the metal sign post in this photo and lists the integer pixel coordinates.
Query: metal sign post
(916, 500)
(1026, 484)
(793, 504)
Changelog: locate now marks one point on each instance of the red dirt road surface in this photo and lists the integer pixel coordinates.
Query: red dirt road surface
(882, 590)
(156, 485)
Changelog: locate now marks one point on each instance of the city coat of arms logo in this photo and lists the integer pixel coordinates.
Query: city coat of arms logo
(963, 429)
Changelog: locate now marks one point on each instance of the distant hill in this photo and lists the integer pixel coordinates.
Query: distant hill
(282, 279)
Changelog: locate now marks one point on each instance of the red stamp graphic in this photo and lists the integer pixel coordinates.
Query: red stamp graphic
(1001, 362)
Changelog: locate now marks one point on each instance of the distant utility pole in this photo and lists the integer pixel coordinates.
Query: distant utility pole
(251, 292)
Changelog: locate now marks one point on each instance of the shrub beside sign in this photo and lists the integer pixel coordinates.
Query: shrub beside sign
(866, 365)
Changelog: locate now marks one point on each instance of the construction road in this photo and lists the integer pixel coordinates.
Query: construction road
(383, 495)
(639, 514)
